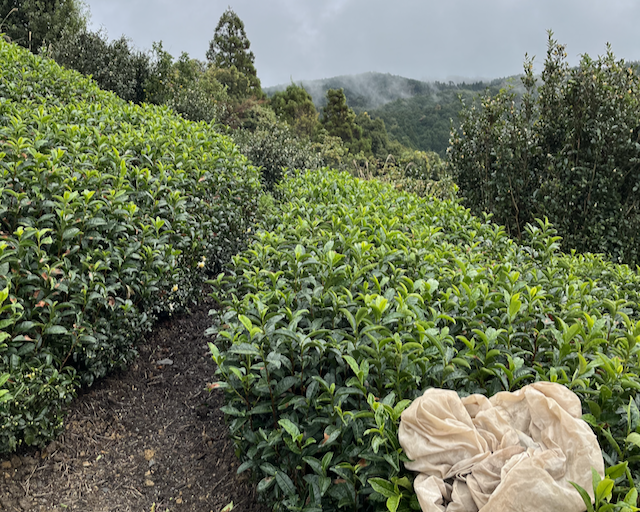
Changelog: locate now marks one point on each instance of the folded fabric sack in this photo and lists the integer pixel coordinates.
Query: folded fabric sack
(511, 452)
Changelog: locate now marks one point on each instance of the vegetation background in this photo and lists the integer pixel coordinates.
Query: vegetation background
(357, 291)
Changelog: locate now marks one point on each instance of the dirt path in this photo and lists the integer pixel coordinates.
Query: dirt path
(150, 435)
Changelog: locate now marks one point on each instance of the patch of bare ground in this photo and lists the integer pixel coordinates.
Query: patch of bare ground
(149, 439)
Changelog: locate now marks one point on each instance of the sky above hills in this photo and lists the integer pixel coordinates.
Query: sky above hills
(424, 39)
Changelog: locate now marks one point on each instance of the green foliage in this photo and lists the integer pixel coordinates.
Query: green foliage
(423, 122)
(193, 91)
(114, 65)
(275, 149)
(416, 114)
(157, 86)
(229, 52)
(423, 174)
(364, 137)
(569, 151)
(251, 114)
(186, 85)
(375, 132)
(340, 121)
(331, 150)
(355, 298)
(295, 106)
(37, 23)
(238, 85)
(109, 211)
(603, 492)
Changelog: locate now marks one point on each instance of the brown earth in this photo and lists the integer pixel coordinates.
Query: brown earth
(150, 439)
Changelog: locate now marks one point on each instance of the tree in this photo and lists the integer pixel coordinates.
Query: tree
(569, 150)
(34, 23)
(295, 106)
(375, 131)
(114, 65)
(238, 85)
(339, 120)
(157, 87)
(229, 50)
(186, 85)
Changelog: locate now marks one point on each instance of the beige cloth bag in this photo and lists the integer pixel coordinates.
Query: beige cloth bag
(511, 452)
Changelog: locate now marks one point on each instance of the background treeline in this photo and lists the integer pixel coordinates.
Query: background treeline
(563, 145)
(292, 129)
(417, 114)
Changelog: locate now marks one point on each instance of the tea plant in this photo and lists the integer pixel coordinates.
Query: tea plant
(355, 298)
(110, 214)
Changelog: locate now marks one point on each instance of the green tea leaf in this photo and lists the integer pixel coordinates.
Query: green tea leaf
(393, 502)
(290, 427)
(633, 438)
(246, 322)
(585, 496)
(382, 486)
(285, 483)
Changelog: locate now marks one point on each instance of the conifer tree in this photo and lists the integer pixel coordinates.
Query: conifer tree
(340, 120)
(229, 50)
(295, 106)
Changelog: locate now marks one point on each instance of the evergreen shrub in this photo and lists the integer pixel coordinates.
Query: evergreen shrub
(569, 151)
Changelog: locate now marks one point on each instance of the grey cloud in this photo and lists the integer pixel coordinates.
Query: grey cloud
(309, 39)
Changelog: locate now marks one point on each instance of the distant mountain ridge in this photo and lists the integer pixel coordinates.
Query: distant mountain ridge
(363, 91)
(418, 114)
(372, 90)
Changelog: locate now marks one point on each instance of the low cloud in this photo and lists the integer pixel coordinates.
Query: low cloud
(310, 39)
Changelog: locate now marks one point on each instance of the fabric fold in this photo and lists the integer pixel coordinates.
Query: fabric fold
(513, 451)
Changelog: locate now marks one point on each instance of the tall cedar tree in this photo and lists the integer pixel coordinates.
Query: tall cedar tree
(339, 120)
(229, 49)
(33, 23)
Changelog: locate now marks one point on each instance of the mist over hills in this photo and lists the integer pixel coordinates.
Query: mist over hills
(363, 91)
(416, 113)
(367, 91)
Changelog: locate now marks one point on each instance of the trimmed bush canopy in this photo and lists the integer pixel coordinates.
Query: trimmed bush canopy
(107, 212)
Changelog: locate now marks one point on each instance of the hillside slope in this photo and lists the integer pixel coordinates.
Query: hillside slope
(364, 91)
(356, 298)
(110, 214)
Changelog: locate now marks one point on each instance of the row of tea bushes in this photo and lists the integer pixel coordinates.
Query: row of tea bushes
(355, 298)
(110, 214)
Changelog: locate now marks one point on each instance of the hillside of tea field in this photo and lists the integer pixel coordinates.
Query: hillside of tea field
(345, 303)
(354, 298)
(110, 215)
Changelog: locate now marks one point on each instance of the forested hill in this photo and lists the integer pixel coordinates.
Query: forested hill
(418, 114)
(423, 121)
(363, 92)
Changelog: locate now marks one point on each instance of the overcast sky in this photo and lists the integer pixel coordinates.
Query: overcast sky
(423, 39)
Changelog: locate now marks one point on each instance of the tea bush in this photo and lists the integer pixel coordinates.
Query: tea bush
(417, 172)
(355, 297)
(274, 148)
(568, 151)
(110, 214)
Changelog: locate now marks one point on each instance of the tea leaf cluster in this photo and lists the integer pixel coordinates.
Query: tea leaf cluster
(356, 297)
(110, 214)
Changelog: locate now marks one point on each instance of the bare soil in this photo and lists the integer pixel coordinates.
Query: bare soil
(150, 439)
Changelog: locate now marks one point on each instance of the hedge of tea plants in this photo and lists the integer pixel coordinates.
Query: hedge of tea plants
(355, 298)
(109, 215)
